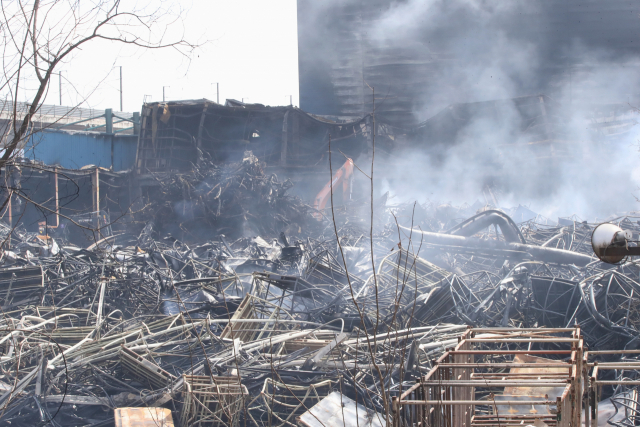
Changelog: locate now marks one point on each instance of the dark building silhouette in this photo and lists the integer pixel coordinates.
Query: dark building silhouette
(423, 55)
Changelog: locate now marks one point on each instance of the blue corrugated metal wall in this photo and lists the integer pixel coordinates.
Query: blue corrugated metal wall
(72, 150)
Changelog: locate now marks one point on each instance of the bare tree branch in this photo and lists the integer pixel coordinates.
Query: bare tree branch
(39, 36)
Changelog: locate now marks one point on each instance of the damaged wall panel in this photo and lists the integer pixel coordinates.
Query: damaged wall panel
(173, 134)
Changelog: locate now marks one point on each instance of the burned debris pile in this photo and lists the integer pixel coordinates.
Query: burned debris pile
(272, 319)
(234, 199)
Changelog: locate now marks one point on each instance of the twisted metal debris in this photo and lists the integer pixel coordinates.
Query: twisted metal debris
(236, 330)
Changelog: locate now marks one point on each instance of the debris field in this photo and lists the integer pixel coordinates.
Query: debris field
(261, 314)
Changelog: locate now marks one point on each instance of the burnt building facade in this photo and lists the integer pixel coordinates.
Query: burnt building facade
(177, 136)
(181, 136)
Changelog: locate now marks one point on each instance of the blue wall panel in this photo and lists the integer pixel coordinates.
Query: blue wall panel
(73, 150)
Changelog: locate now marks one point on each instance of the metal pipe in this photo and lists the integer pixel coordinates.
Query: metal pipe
(557, 236)
(507, 365)
(620, 366)
(616, 383)
(524, 339)
(510, 352)
(460, 244)
(526, 330)
(484, 219)
(82, 121)
(487, 384)
(477, 402)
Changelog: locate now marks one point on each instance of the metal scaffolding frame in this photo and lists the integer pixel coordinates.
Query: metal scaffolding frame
(500, 377)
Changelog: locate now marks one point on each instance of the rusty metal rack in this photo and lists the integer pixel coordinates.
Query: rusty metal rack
(500, 377)
(145, 371)
(211, 401)
(618, 381)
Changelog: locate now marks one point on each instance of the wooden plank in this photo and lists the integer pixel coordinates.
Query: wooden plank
(143, 417)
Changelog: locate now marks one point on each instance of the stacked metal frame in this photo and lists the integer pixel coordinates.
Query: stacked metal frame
(270, 319)
(211, 401)
(499, 377)
(616, 380)
(145, 371)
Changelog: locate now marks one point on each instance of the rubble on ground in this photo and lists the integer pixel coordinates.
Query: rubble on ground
(276, 314)
(234, 199)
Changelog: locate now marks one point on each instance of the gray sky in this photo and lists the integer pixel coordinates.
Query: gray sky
(252, 52)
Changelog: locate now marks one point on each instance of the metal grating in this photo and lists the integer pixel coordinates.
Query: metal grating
(20, 282)
(147, 372)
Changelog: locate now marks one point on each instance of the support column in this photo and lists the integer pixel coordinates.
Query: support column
(136, 123)
(285, 139)
(96, 195)
(294, 139)
(199, 139)
(108, 118)
(55, 175)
